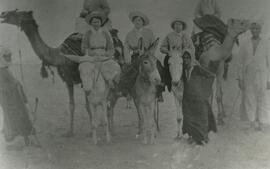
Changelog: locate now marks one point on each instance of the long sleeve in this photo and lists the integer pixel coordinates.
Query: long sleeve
(164, 47)
(21, 92)
(188, 44)
(240, 66)
(151, 40)
(268, 60)
(85, 43)
(109, 44)
(127, 50)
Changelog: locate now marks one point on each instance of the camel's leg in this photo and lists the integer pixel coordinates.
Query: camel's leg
(88, 110)
(219, 94)
(70, 88)
(107, 127)
(219, 99)
(156, 114)
(129, 98)
(151, 111)
(140, 117)
(179, 118)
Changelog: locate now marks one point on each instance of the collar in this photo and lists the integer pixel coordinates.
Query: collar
(178, 34)
(95, 31)
(137, 30)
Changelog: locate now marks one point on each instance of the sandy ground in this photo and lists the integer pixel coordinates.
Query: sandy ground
(233, 147)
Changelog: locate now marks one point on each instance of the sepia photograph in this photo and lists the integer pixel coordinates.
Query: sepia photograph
(134, 84)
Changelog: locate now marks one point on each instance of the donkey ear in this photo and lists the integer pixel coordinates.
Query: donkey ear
(154, 45)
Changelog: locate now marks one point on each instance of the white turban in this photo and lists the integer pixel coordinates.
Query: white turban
(258, 20)
(4, 51)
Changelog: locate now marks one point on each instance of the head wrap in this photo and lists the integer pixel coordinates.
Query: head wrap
(192, 55)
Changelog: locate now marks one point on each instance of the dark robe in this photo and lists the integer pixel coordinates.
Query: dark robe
(129, 75)
(197, 111)
(13, 102)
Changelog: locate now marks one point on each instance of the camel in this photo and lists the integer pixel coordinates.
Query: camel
(67, 70)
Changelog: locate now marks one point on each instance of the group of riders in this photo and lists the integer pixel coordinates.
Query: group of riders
(97, 43)
(200, 65)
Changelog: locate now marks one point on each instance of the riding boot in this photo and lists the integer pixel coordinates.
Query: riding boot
(160, 89)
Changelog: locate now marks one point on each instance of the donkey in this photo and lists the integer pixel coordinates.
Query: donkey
(144, 92)
(97, 90)
(98, 98)
(176, 68)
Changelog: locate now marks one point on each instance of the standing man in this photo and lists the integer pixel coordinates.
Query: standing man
(13, 102)
(253, 74)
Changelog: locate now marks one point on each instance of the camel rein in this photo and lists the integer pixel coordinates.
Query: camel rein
(33, 111)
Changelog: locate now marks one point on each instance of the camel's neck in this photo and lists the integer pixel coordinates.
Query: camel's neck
(43, 51)
(227, 46)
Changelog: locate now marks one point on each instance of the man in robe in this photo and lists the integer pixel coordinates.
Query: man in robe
(253, 75)
(13, 102)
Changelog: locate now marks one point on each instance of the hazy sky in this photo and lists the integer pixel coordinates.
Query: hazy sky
(56, 18)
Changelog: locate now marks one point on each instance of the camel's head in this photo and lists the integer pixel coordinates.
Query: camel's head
(237, 26)
(16, 17)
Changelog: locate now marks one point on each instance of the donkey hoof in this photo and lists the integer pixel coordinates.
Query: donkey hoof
(178, 138)
(144, 141)
(68, 134)
(109, 141)
(153, 141)
(108, 138)
(95, 141)
(221, 122)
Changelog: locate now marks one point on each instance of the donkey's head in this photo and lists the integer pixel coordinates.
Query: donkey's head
(148, 62)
